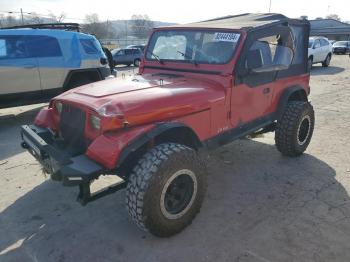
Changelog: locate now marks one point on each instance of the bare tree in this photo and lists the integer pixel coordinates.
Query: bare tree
(333, 16)
(11, 21)
(94, 26)
(58, 18)
(141, 25)
(34, 18)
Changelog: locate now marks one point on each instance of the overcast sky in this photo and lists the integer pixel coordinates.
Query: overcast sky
(178, 11)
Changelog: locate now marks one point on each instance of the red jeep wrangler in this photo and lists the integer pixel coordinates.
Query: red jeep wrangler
(199, 86)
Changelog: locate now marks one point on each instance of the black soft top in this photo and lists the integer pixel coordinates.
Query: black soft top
(243, 21)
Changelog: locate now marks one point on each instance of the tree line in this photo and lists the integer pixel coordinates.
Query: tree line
(139, 26)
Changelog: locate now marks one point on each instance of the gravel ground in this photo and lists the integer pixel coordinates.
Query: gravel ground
(260, 206)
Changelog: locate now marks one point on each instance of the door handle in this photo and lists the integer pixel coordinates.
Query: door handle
(266, 90)
(29, 66)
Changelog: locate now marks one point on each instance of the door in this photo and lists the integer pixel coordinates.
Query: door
(325, 49)
(318, 54)
(129, 59)
(264, 56)
(51, 63)
(120, 57)
(18, 70)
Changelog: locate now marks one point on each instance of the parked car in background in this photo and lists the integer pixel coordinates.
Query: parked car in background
(37, 63)
(341, 47)
(142, 47)
(127, 56)
(319, 51)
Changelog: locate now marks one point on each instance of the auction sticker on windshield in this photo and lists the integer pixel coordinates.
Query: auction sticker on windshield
(226, 37)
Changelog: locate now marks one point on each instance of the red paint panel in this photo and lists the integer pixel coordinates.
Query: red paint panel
(106, 148)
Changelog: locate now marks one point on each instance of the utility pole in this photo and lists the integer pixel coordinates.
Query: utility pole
(22, 16)
(270, 6)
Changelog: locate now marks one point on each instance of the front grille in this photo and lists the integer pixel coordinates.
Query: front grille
(72, 126)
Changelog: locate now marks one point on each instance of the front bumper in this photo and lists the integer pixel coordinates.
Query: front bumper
(71, 170)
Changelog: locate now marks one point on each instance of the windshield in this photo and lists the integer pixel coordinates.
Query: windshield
(206, 47)
(114, 51)
(311, 42)
(340, 43)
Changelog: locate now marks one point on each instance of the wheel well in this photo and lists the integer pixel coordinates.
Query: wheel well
(81, 76)
(299, 95)
(181, 135)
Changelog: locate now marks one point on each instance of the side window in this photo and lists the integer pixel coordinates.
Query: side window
(13, 47)
(121, 52)
(89, 46)
(43, 46)
(266, 57)
(128, 51)
(136, 51)
(317, 44)
(3, 49)
(269, 51)
(324, 42)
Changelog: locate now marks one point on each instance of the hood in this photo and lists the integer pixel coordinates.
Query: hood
(148, 98)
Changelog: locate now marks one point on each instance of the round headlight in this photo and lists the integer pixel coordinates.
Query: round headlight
(58, 106)
(95, 122)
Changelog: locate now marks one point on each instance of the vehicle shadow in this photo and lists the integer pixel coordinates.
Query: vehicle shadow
(260, 206)
(331, 70)
(10, 125)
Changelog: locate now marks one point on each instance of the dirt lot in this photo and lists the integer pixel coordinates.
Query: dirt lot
(260, 206)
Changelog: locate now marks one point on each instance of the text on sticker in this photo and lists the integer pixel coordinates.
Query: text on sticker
(227, 37)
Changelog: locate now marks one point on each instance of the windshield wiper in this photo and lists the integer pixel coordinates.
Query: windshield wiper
(155, 56)
(188, 57)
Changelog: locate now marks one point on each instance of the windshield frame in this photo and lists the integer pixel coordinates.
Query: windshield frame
(189, 61)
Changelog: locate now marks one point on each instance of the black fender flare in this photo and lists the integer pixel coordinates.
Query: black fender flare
(290, 92)
(149, 136)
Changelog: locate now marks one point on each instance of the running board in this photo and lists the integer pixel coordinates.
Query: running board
(85, 196)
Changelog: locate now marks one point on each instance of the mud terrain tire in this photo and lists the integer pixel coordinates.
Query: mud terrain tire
(294, 129)
(153, 194)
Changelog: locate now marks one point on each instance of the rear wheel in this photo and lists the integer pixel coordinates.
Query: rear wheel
(166, 189)
(309, 63)
(137, 62)
(327, 61)
(294, 130)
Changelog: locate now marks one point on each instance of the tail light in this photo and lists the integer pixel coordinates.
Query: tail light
(103, 61)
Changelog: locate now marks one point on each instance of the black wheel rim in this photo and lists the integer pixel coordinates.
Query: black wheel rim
(178, 194)
(304, 130)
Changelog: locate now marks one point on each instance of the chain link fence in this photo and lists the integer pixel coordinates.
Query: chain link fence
(121, 43)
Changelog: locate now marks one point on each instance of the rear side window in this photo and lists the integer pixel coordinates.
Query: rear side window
(13, 47)
(89, 46)
(43, 46)
(324, 42)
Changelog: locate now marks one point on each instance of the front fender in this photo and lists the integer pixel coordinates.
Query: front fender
(107, 148)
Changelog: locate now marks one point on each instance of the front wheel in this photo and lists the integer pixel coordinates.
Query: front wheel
(294, 129)
(166, 189)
